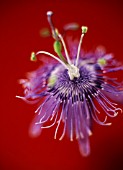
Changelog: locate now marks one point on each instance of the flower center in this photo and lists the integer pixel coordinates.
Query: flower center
(73, 72)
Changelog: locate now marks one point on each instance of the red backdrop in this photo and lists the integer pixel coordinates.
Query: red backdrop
(20, 23)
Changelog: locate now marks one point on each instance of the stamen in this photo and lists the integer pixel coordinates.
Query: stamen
(84, 30)
(65, 49)
(73, 71)
(51, 55)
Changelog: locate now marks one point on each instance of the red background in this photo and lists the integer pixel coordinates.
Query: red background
(20, 23)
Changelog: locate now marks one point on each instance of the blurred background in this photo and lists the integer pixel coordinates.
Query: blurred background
(20, 25)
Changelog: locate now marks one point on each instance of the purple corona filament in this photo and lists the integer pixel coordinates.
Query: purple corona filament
(71, 89)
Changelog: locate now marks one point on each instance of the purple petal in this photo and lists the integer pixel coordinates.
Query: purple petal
(84, 146)
(34, 129)
(44, 113)
(70, 119)
(117, 97)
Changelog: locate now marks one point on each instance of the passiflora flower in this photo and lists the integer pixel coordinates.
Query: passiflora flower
(71, 89)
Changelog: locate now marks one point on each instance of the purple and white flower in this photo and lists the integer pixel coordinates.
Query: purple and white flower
(71, 90)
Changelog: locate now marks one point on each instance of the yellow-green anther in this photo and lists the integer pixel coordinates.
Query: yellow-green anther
(33, 57)
(102, 61)
(52, 80)
(84, 29)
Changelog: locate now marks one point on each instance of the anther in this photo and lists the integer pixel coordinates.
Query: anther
(33, 57)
